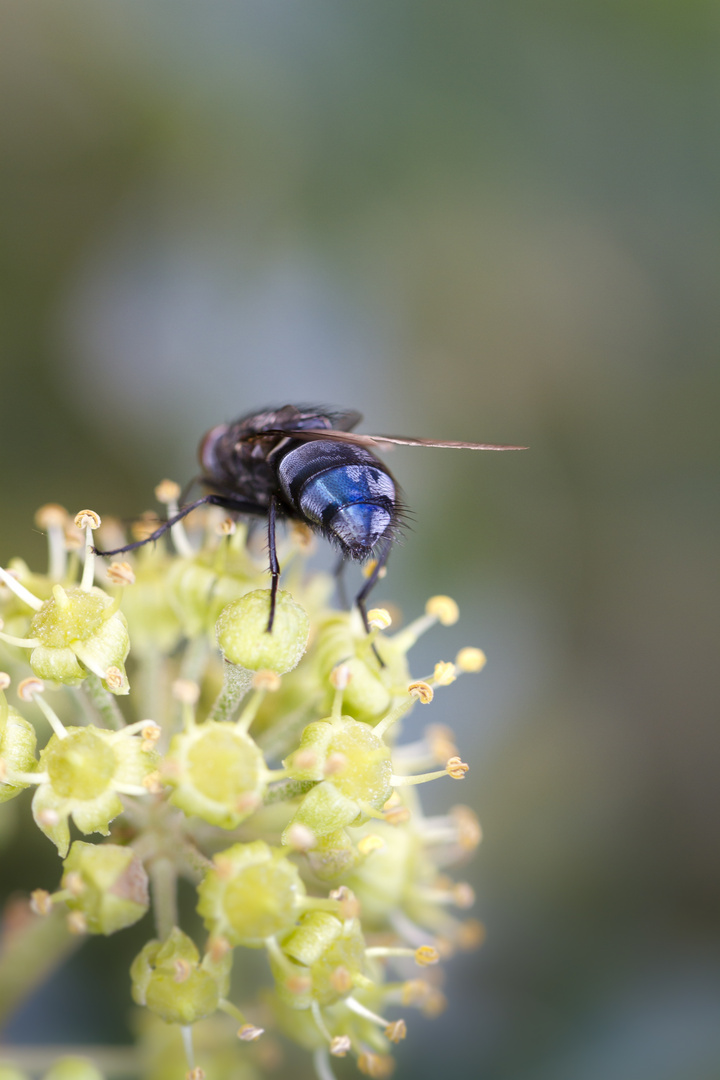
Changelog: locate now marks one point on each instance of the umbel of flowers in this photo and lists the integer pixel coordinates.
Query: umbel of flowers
(266, 769)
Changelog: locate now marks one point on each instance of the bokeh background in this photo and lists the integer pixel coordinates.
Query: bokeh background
(493, 220)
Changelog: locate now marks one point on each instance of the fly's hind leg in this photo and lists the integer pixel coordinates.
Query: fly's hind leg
(362, 596)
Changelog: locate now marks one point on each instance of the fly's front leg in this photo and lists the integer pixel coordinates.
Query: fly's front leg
(227, 502)
(274, 564)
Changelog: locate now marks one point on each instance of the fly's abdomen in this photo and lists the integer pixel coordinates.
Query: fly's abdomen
(343, 489)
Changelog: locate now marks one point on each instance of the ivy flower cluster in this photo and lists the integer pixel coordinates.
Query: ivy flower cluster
(265, 769)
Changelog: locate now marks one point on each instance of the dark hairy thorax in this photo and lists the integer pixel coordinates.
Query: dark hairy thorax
(235, 462)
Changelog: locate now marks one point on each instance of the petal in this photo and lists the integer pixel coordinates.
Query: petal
(95, 815)
(46, 802)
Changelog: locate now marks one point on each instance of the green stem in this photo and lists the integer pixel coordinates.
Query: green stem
(287, 789)
(163, 877)
(29, 954)
(236, 683)
(104, 703)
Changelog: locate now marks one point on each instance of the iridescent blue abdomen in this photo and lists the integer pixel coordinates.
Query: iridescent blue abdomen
(343, 489)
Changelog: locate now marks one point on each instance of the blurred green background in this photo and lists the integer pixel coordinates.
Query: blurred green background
(494, 220)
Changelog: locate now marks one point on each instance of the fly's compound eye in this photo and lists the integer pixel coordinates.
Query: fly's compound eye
(208, 449)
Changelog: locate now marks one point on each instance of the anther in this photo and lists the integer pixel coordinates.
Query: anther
(226, 527)
(396, 1031)
(369, 569)
(76, 922)
(185, 691)
(302, 536)
(300, 837)
(218, 947)
(349, 903)
(378, 1066)
(470, 935)
(426, 955)
(444, 673)
(444, 609)
(48, 817)
(167, 491)
(463, 895)
(121, 573)
(248, 1032)
(441, 741)
(5, 680)
(28, 688)
(153, 783)
(422, 691)
(340, 676)
(74, 883)
(114, 678)
(87, 519)
(73, 537)
(51, 516)
(145, 526)
(456, 768)
(379, 618)
(40, 902)
(371, 843)
(150, 732)
(340, 1046)
(471, 659)
(468, 827)
(395, 813)
(266, 680)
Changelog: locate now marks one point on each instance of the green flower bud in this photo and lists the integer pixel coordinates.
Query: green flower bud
(109, 886)
(17, 750)
(357, 765)
(80, 631)
(323, 810)
(318, 947)
(218, 773)
(73, 1068)
(170, 980)
(366, 696)
(252, 893)
(242, 632)
(84, 769)
(333, 856)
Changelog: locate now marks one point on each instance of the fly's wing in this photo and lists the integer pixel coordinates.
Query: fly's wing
(380, 442)
(345, 421)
